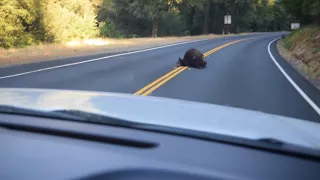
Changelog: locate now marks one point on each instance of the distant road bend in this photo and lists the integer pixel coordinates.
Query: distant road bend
(243, 71)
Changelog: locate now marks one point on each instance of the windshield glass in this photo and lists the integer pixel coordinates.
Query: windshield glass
(248, 69)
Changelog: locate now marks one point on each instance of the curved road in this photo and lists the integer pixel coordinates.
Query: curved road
(239, 74)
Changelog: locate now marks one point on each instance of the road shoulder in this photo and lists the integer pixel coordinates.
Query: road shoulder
(54, 52)
(297, 64)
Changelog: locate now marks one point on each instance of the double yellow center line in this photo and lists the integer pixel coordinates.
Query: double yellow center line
(157, 83)
(145, 91)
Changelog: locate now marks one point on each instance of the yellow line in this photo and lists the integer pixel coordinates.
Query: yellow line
(222, 46)
(156, 81)
(162, 82)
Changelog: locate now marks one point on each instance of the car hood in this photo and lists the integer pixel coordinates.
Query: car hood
(170, 112)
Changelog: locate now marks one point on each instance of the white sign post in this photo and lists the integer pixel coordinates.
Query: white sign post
(295, 26)
(227, 20)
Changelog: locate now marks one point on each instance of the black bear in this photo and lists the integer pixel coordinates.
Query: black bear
(192, 58)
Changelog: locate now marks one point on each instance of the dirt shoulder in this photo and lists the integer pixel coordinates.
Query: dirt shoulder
(49, 52)
(305, 69)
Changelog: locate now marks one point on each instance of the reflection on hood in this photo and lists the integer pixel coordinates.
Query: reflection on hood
(169, 112)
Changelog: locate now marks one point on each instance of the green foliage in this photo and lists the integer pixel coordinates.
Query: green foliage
(15, 23)
(65, 20)
(172, 24)
(125, 22)
(108, 29)
(304, 44)
(24, 22)
(306, 11)
(152, 9)
(305, 35)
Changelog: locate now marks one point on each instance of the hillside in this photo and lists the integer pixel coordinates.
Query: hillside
(302, 49)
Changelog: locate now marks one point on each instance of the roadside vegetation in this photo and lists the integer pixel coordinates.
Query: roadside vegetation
(56, 51)
(304, 45)
(27, 22)
(53, 29)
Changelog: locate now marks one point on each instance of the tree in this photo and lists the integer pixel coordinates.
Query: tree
(151, 9)
(24, 22)
(66, 20)
(16, 22)
(206, 17)
(311, 9)
(306, 11)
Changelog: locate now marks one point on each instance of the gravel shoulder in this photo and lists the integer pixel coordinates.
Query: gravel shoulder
(50, 52)
(297, 64)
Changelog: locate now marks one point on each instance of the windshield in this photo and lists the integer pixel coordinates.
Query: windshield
(248, 69)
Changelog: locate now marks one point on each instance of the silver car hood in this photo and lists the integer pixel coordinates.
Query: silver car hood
(170, 112)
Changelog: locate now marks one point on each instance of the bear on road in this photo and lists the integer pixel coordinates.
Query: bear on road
(192, 58)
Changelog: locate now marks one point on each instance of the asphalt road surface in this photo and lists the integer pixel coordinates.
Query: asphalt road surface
(239, 74)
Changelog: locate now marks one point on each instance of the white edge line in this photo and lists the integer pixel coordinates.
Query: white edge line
(304, 95)
(98, 59)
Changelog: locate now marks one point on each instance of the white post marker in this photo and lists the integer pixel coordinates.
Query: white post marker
(295, 26)
(227, 21)
(303, 94)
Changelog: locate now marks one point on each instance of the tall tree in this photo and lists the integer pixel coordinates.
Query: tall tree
(306, 11)
(151, 9)
(17, 20)
(311, 9)
(78, 20)
(23, 22)
(206, 10)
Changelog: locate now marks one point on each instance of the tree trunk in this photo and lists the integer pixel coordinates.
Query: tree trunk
(154, 28)
(238, 21)
(206, 18)
(317, 21)
(238, 28)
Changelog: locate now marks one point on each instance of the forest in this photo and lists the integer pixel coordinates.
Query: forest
(27, 22)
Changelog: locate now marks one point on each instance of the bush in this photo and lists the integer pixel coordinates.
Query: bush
(304, 44)
(15, 22)
(302, 35)
(109, 29)
(66, 20)
(171, 24)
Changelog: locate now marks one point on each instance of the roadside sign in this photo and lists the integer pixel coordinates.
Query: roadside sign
(227, 19)
(295, 26)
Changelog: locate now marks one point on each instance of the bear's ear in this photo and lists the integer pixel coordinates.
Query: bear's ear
(180, 59)
(179, 63)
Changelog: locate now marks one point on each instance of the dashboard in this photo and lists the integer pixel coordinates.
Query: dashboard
(44, 148)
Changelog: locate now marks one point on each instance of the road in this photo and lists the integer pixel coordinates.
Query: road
(241, 74)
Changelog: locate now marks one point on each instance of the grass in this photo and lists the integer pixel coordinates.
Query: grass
(304, 44)
(46, 52)
(303, 35)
